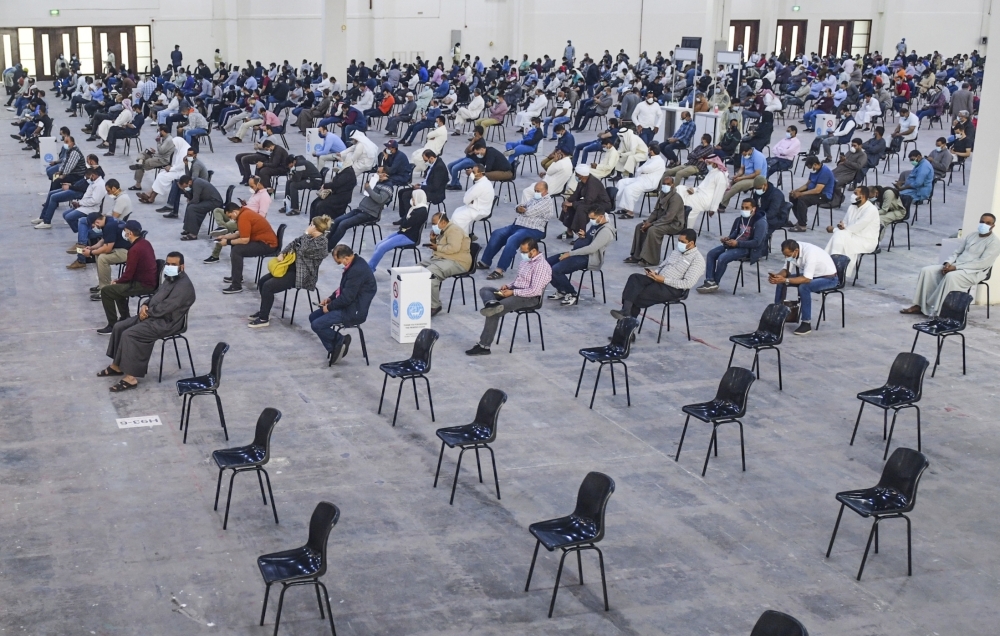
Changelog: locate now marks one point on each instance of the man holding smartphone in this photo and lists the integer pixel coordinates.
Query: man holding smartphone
(678, 273)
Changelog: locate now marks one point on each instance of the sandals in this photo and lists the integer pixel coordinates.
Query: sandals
(122, 386)
(134, 189)
(189, 237)
(495, 276)
(109, 372)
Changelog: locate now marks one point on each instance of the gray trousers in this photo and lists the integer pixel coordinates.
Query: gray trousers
(440, 269)
(510, 304)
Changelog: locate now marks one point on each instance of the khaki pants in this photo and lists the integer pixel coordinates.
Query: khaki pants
(440, 269)
(151, 163)
(681, 172)
(487, 122)
(247, 125)
(739, 186)
(224, 222)
(104, 263)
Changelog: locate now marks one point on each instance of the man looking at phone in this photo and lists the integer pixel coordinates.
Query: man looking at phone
(253, 237)
(679, 272)
(816, 272)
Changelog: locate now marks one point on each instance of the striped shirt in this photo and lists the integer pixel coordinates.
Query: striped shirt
(682, 271)
(536, 214)
(533, 275)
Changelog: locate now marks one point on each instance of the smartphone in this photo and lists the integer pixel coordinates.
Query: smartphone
(79, 250)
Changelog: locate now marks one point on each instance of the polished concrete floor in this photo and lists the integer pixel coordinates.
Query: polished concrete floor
(112, 531)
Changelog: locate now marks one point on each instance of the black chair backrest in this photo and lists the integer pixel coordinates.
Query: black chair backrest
(592, 500)
(772, 623)
(210, 173)
(323, 173)
(735, 386)
(908, 372)
(488, 412)
(217, 356)
(324, 517)
(281, 236)
(989, 273)
(902, 473)
(841, 261)
(229, 194)
(265, 425)
(622, 336)
(160, 264)
(772, 321)
(956, 307)
(424, 347)
(474, 249)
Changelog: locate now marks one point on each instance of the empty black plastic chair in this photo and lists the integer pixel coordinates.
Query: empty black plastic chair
(893, 497)
(950, 321)
(418, 364)
(770, 333)
(203, 385)
(580, 531)
(666, 312)
(729, 405)
(302, 566)
(244, 458)
(772, 623)
(480, 434)
(901, 391)
(527, 312)
(841, 262)
(612, 354)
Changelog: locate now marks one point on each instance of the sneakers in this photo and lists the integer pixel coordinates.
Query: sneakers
(254, 316)
(259, 322)
(478, 350)
(493, 310)
(339, 354)
(227, 279)
(232, 289)
(43, 226)
(804, 329)
(106, 330)
(95, 290)
(210, 260)
(708, 287)
(36, 221)
(572, 299)
(166, 208)
(557, 296)
(218, 233)
(76, 265)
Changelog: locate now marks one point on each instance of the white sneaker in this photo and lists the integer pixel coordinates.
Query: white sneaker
(570, 300)
(36, 221)
(557, 296)
(43, 226)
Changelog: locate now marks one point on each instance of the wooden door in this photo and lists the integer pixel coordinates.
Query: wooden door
(743, 35)
(835, 37)
(790, 38)
(9, 54)
(49, 44)
(120, 41)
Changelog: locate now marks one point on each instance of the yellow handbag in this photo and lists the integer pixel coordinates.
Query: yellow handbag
(278, 267)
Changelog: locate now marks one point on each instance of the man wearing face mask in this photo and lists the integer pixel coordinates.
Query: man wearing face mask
(153, 158)
(334, 196)
(376, 196)
(680, 271)
(747, 239)
(477, 202)
(194, 168)
(918, 181)
(589, 195)
(202, 198)
(784, 152)
(770, 203)
(859, 231)
(533, 275)
(133, 339)
(815, 272)
(274, 165)
(348, 305)
(139, 277)
(452, 255)
(587, 254)
(395, 164)
(565, 146)
(647, 178)
(528, 144)
(532, 217)
(330, 150)
(680, 139)
(850, 164)
(963, 271)
(666, 218)
(91, 201)
(646, 117)
(818, 190)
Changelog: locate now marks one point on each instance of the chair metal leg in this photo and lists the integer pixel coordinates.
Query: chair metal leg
(918, 426)
(218, 487)
(267, 591)
(429, 398)
(731, 354)
(319, 599)
(835, 526)
(683, 433)
(555, 590)
(274, 509)
(162, 345)
(329, 610)
(526, 585)
(856, 422)
(597, 381)
(891, 429)
(604, 583)
(454, 484)
(479, 466)
(580, 380)
(281, 600)
(628, 394)
(384, 380)
(260, 482)
(711, 443)
(909, 548)
(440, 457)
(415, 400)
(541, 336)
(778, 351)
(496, 478)
(229, 498)
(399, 394)
(871, 535)
(222, 417)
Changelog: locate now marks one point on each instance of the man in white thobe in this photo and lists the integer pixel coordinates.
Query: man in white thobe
(362, 155)
(859, 231)
(470, 112)
(966, 267)
(477, 202)
(632, 151)
(534, 109)
(706, 196)
(647, 179)
(559, 178)
(173, 172)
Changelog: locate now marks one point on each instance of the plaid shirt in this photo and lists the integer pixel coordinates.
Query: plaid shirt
(685, 132)
(536, 214)
(532, 277)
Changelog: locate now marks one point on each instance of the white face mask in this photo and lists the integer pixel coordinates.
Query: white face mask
(664, 189)
(435, 229)
(538, 195)
(591, 224)
(681, 247)
(171, 271)
(525, 256)
(746, 213)
(788, 135)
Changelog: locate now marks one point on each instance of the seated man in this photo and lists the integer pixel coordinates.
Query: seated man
(477, 201)
(404, 116)
(875, 150)
(647, 178)
(253, 237)
(531, 220)
(917, 182)
(966, 267)
(770, 202)
(587, 253)
(815, 272)
(397, 167)
(202, 198)
(92, 201)
(589, 194)
(111, 248)
(434, 184)
(679, 272)
(303, 175)
(525, 292)
(747, 239)
(753, 164)
(346, 306)
(784, 152)
(369, 209)
(817, 191)
(695, 160)
(528, 144)
(132, 339)
(850, 164)
(452, 255)
(859, 231)
(666, 218)
(138, 279)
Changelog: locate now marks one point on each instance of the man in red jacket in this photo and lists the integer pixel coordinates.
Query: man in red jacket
(138, 279)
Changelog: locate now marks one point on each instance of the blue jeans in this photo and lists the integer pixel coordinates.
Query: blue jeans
(719, 257)
(582, 150)
(346, 222)
(322, 324)
(77, 222)
(810, 118)
(555, 121)
(805, 293)
(562, 270)
(777, 164)
(51, 170)
(191, 133)
(55, 198)
(509, 239)
(646, 135)
(456, 168)
(519, 149)
(391, 243)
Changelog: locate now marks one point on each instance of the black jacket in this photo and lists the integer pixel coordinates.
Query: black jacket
(412, 225)
(304, 170)
(757, 243)
(495, 161)
(357, 289)
(772, 205)
(437, 181)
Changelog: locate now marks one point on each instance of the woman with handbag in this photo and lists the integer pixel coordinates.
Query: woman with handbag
(296, 267)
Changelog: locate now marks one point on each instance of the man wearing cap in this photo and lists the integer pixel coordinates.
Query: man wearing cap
(139, 277)
(532, 217)
(666, 218)
(589, 194)
(404, 116)
(397, 167)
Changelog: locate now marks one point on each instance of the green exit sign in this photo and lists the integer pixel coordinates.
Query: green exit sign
(54, 13)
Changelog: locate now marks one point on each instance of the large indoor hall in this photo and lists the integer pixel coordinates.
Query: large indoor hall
(501, 317)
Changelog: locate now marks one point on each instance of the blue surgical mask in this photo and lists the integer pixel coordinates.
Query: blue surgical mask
(592, 223)
(435, 229)
(170, 271)
(665, 189)
(525, 256)
(984, 228)
(538, 195)
(681, 247)
(788, 135)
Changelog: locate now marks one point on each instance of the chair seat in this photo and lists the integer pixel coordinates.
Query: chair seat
(939, 326)
(564, 531)
(714, 410)
(875, 501)
(461, 435)
(403, 368)
(240, 456)
(755, 339)
(196, 385)
(888, 396)
(290, 565)
(604, 354)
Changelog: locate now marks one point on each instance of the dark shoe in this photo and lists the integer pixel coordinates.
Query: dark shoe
(166, 208)
(341, 351)
(210, 260)
(106, 331)
(96, 297)
(804, 329)
(173, 215)
(479, 265)
(259, 322)
(227, 279)
(232, 289)
(398, 223)
(448, 187)
(478, 350)
(95, 290)
(618, 315)
(436, 311)
(708, 287)
(631, 261)
(254, 316)
(109, 154)
(797, 228)
(495, 276)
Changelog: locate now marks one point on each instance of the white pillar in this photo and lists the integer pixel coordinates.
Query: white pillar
(334, 38)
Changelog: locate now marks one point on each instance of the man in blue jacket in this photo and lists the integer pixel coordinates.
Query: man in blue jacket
(747, 239)
(919, 181)
(346, 306)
